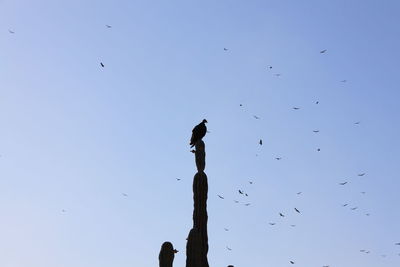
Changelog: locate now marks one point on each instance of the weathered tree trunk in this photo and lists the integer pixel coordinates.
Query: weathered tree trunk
(197, 244)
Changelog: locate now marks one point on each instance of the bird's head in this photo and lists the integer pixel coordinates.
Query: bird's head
(204, 121)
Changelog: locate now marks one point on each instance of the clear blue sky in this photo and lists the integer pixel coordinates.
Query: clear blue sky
(75, 136)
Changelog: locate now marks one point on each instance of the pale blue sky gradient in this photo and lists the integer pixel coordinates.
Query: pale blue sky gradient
(75, 136)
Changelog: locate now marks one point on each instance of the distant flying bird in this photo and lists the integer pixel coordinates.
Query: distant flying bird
(323, 51)
(363, 192)
(397, 244)
(236, 201)
(270, 67)
(367, 214)
(178, 179)
(297, 210)
(221, 197)
(296, 108)
(63, 210)
(260, 142)
(240, 105)
(101, 64)
(246, 194)
(247, 204)
(280, 214)
(124, 194)
(278, 75)
(354, 208)
(198, 132)
(357, 122)
(250, 182)
(108, 26)
(225, 49)
(293, 225)
(344, 205)
(256, 117)
(362, 250)
(361, 174)
(317, 102)
(343, 183)
(226, 229)
(228, 248)
(292, 262)
(272, 223)
(278, 158)
(241, 192)
(343, 81)
(10, 31)
(318, 149)
(316, 131)
(299, 193)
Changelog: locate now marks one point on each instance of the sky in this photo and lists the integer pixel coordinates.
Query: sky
(90, 155)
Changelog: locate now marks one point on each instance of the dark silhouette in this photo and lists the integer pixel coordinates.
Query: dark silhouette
(101, 64)
(167, 254)
(197, 241)
(198, 132)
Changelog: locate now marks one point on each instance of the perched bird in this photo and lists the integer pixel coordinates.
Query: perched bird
(221, 197)
(198, 132)
(256, 117)
(280, 214)
(101, 64)
(296, 108)
(108, 26)
(323, 51)
(260, 142)
(343, 183)
(361, 174)
(297, 210)
(241, 192)
(167, 254)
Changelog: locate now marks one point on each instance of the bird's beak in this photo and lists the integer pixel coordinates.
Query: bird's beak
(176, 251)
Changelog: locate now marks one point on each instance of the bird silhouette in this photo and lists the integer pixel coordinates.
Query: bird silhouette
(343, 81)
(198, 132)
(318, 149)
(225, 49)
(108, 26)
(278, 75)
(247, 204)
(228, 248)
(124, 194)
(10, 31)
(240, 192)
(354, 208)
(226, 229)
(296, 210)
(221, 197)
(344, 205)
(278, 158)
(260, 142)
(272, 223)
(256, 117)
(296, 108)
(343, 183)
(280, 214)
(397, 244)
(178, 179)
(361, 174)
(323, 51)
(317, 102)
(101, 64)
(357, 122)
(292, 262)
(316, 131)
(299, 193)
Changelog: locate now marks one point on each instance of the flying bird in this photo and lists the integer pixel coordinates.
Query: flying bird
(296, 108)
(292, 262)
(280, 214)
(343, 81)
(241, 192)
(250, 182)
(225, 49)
(198, 132)
(63, 210)
(236, 201)
(318, 149)
(256, 117)
(354, 208)
(247, 204)
(317, 102)
(343, 183)
(10, 31)
(270, 67)
(260, 142)
(278, 75)
(361, 174)
(124, 194)
(101, 64)
(299, 193)
(246, 194)
(323, 51)
(357, 122)
(344, 205)
(108, 26)
(278, 158)
(293, 225)
(178, 179)
(297, 210)
(316, 131)
(221, 197)
(228, 248)
(226, 229)
(272, 223)
(397, 244)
